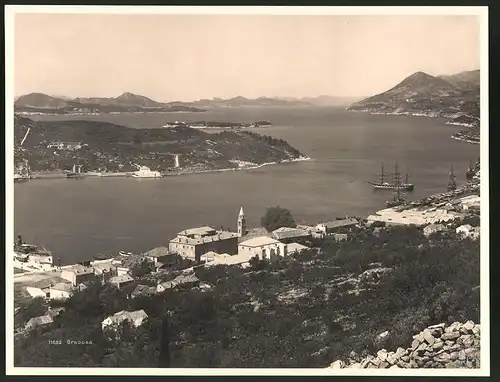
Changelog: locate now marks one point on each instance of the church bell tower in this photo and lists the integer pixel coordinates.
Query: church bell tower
(242, 226)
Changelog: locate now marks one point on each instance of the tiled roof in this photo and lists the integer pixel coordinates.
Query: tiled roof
(340, 223)
(136, 317)
(120, 279)
(197, 231)
(65, 287)
(38, 321)
(133, 261)
(79, 269)
(104, 267)
(259, 241)
(52, 312)
(220, 235)
(143, 290)
(254, 232)
(296, 247)
(157, 252)
(48, 282)
(286, 232)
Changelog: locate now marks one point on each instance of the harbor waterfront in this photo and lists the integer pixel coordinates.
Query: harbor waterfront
(95, 215)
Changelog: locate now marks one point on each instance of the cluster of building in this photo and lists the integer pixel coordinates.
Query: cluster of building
(209, 247)
(448, 211)
(204, 245)
(213, 247)
(70, 146)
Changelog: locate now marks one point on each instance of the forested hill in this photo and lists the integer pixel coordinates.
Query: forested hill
(115, 147)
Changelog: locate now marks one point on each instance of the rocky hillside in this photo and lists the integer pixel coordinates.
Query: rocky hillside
(455, 96)
(126, 102)
(438, 346)
(116, 148)
(464, 80)
(125, 99)
(40, 100)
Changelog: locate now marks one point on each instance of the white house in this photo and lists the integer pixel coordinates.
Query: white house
(335, 225)
(181, 279)
(78, 274)
(313, 230)
(120, 281)
(296, 248)
(61, 291)
(38, 321)
(38, 292)
(340, 236)
(291, 235)
(135, 318)
(467, 230)
(158, 255)
(433, 228)
(263, 246)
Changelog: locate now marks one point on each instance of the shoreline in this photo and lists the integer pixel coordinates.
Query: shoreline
(464, 140)
(58, 175)
(428, 115)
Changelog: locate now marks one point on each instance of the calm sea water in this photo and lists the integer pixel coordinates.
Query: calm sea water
(77, 219)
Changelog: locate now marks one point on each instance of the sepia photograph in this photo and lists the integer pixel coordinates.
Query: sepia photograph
(285, 190)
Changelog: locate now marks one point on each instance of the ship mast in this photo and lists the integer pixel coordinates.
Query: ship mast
(452, 185)
(382, 175)
(398, 180)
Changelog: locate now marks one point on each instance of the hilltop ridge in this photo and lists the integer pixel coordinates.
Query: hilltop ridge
(455, 97)
(110, 147)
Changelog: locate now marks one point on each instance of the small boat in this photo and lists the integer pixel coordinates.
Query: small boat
(21, 178)
(396, 201)
(75, 173)
(23, 173)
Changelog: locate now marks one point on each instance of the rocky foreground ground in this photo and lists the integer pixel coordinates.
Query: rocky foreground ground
(438, 346)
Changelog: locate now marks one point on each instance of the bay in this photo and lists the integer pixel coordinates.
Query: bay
(78, 218)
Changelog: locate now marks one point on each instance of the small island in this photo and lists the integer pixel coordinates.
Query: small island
(106, 149)
(218, 125)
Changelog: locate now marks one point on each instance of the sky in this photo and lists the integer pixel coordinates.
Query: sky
(188, 57)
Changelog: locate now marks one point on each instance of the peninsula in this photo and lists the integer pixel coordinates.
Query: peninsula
(455, 97)
(100, 147)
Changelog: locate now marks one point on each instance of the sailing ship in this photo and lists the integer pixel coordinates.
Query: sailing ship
(75, 173)
(23, 172)
(452, 184)
(399, 197)
(383, 184)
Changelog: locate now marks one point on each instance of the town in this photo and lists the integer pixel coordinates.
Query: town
(38, 275)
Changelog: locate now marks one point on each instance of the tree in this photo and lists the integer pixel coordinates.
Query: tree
(164, 358)
(277, 217)
(30, 308)
(137, 139)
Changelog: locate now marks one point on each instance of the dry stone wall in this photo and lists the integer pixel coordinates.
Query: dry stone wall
(438, 346)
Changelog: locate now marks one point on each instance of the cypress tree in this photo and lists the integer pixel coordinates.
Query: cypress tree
(164, 360)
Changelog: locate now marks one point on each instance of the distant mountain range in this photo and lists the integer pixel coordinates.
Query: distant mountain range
(43, 103)
(127, 102)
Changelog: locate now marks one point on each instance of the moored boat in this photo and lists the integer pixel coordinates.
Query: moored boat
(385, 185)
